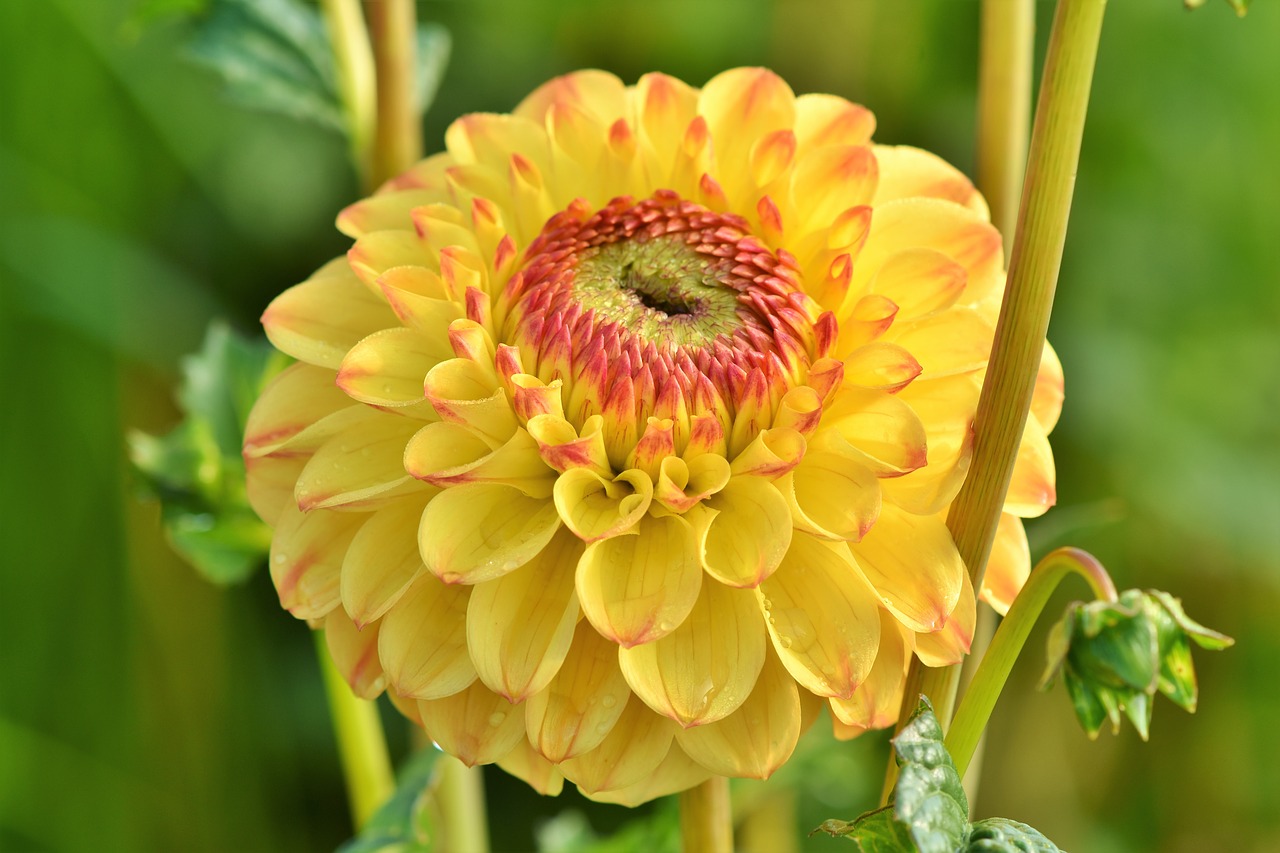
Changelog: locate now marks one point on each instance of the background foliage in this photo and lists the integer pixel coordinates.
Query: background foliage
(138, 202)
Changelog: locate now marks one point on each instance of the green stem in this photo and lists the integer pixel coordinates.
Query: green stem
(353, 59)
(362, 748)
(393, 29)
(460, 793)
(973, 713)
(706, 823)
(1004, 106)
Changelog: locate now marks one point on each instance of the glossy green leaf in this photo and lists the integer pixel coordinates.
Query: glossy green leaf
(874, 832)
(1000, 835)
(407, 822)
(929, 798)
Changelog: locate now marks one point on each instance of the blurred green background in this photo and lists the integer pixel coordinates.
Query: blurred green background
(142, 709)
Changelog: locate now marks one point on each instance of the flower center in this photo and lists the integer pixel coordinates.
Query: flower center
(664, 294)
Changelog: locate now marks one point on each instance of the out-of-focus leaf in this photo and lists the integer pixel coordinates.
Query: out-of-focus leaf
(273, 55)
(1000, 835)
(434, 45)
(569, 832)
(407, 822)
(1241, 6)
(196, 471)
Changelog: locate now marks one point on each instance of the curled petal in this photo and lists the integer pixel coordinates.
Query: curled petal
(756, 739)
(800, 409)
(306, 558)
(294, 400)
(683, 484)
(481, 531)
(745, 532)
(635, 746)
(477, 726)
(832, 494)
(382, 561)
(447, 454)
(319, 320)
(946, 343)
(583, 701)
(884, 432)
(874, 705)
(519, 626)
(388, 368)
(563, 447)
(595, 508)
(772, 453)
(950, 644)
(822, 617)
(913, 565)
(355, 654)
(464, 392)
(641, 585)
(1008, 566)
(360, 467)
(423, 641)
(706, 668)
(386, 210)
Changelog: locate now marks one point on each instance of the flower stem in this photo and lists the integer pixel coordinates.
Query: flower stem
(357, 88)
(1004, 106)
(362, 748)
(974, 711)
(393, 29)
(460, 793)
(706, 824)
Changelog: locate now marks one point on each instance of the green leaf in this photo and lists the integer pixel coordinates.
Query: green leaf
(569, 832)
(434, 45)
(929, 798)
(999, 835)
(273, 55)
(406, 823)
(874, 832)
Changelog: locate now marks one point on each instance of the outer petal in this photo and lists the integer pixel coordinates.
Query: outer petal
(914, 566)
(831, 120)
(822, 617)
(633, 749)
(756, 739)
(388, 367)
(1046, 403)
(524, 763)
(382, 561)
(319, 320)
(578, 709)
(741, 106)
(306, 557)
(519, 626)
(947, 342)
(359, 467)
(945, 408)
(920, 281)
(950, 644)
(832, 494)
(479, 532)
(1008, 566)
(423, 641)
(294, 400)
(745, 531)
(875, 704)
(477, 726)
(269, 482)
(677, 772)
(641, 585)
(355, 654)
(1032, 490)
(907, 172)
(705, 669)
(887, 435)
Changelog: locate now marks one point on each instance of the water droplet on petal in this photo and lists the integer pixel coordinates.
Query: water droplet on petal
(496, 718)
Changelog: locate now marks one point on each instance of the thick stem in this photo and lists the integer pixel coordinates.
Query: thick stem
(362, 748)
(973, 713)
(460, 793)
(393, 29)
(353, 60)
(1004, 106)
(706, 823)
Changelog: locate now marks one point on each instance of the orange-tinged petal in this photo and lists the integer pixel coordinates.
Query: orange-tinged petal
(832, 494)
(597, 93)
(1046, 402)
(881, 366)
(360, 467)
(1032, 490)
(706, 668)
(756, 739)
(884, 432)
(946, 343)
(519, 626)
(525, 763)
(831, 120)
(677, 772)
(421, 301)
(740, 106)
(664, 106)
(387, 210)
(563, 447)
(423, 641)
(467, 393)
(319, 320)
(950, 644)
(1008, 565)
(822, 617)
(269, 482)
(447, 454)
(583, 701)
(907, 172)
(481, 531)
(920, 281)
(946, 408)
(641, 585)
(635, 746)
(388, 368)
(913, 565)
(874, 705)
(477, 726)
(382, 561)
(745, 531)
(772, 453)
(355, 654)
(294, 400)
(306, 557)
(684, 483)
(830, 181)
(595, 508)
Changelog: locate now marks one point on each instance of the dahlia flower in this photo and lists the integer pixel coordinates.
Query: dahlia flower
(622, 439)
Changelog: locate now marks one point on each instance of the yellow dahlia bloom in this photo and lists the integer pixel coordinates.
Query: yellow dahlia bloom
(622, 439)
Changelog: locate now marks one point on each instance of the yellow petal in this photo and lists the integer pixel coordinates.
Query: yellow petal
(421, 300)
(1008, 565)
(913, 565)
(306, 558)
(677, 772)
(1032, 490)
(831, 120)
(665, 106)
(467, 393)
(945, 408)
(595, 508)
(906, 172)
(832, 494)
(519, 626)
(683, 484)
(822, 617)
(885, 433)
(597, 93)
(772, 453)
(481, 531)
(634, 748)
(949, 645)
(269, 482)
(563, 447)
(386, 210)
(319, 320)
(388, 368)
(875, 704)
(360, 467)
(756, 739)
(1046, 403)
(586, 697)
(706, 668)
(355, 654)
(920, 281)
(476, 725)
(745, 532)
(423, 641)
(378, 251)
(294, 400)
(541, 775)
(881, 366)
(641, 585)
(447, 454)
(831, 180)
(946, 343)
(382, 561)
(740, 106)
